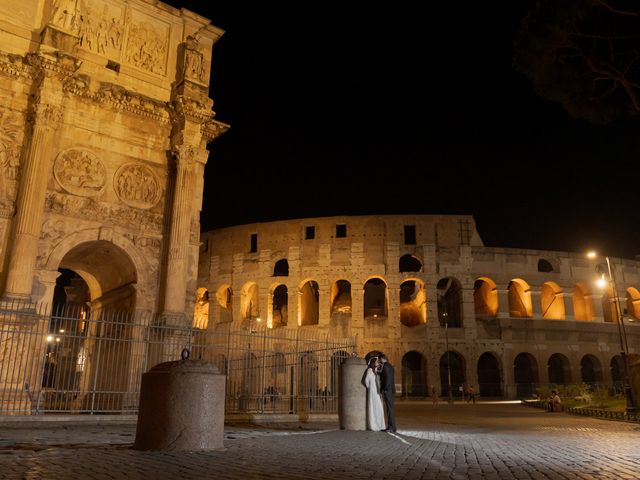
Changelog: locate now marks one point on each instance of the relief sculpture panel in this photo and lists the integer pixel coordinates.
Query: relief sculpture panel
(80, 172)
(101, 27)
(11, 136)
(147, 44)
(137, 185)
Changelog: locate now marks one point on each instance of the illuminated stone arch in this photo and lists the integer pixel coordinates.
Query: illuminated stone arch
(633, 303)
(375, 298)
(489, 373)
(201, 309)
(309, 304)
(279, 314)
(520, 299)
(249, 301)
(413, 303)
(582, 303)
(485, 297)
(224, 303)
(341, 302)
(609, 314)
(449, 293)
(552, 301)
(281, 268)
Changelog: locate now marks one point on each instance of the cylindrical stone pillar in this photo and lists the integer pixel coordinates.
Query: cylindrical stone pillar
(352, 398)
(181, 407)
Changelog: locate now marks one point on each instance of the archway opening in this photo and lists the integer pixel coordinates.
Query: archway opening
(280, 307)
(485, 297)
(449, 302)
(559, 369)
(452, 367)
(309, 303)
(414, 375)
(489, 378)
(525, 373)
(412, 303)
(590, 370)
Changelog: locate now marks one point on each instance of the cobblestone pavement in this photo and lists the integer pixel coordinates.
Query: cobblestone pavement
(462, 441)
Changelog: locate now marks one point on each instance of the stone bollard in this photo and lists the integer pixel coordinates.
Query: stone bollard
(181, 407)
(352, 401)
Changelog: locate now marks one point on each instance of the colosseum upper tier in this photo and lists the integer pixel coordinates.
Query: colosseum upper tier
(426, 291)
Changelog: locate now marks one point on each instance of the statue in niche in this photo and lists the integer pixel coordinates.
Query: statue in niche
(63, 14)
(194, 59)
(9, 154)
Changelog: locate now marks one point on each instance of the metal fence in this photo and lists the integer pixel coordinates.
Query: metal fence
(70, 361)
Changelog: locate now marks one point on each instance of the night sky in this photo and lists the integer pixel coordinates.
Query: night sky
(407, 108)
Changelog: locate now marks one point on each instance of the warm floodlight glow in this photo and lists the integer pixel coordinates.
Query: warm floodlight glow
(258, 319)
(601, 282)
(49, 338)
(592, 254)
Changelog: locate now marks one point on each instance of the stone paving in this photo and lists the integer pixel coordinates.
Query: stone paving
(462, 441)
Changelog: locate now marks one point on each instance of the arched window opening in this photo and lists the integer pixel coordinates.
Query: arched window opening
(633, 303)
(412, 303)
(249, 302)
(375, 299)
(452, 366)
(224, 298)
(617, 373)
(341, 295)
(525, 371)
(544, 266)
(310, 303)
(485, 297)
(582, 303)
(520, 299)
(201, 309)
(281, 268)
(489, 377)
(414, 375)
(409, 263)
(280, 307)
(559, 369)
(609, 306)
(590, 370)
(552, 301)
(449, 302)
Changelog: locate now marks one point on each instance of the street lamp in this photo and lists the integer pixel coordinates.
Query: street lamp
(624, 347)
(445, 318)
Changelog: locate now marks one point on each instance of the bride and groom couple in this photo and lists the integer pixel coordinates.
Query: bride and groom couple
(380, 382)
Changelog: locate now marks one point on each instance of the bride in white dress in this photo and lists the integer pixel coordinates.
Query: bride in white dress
(375, 411)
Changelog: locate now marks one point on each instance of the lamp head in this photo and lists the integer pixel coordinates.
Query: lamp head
(592, 254)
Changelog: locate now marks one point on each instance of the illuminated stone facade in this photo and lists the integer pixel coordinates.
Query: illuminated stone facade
(414, 285)
(104, 124)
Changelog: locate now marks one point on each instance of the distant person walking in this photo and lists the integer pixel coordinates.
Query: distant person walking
(388, 388)
(471, 395)
(434, 395)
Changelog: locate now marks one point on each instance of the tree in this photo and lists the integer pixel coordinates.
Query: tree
(584, 54)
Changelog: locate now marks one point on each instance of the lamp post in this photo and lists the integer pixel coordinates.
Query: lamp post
(446, 346)
(622, 334)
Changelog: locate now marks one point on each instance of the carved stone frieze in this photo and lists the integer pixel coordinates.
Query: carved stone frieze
(213, 129)
(80, 172)
(137, 185)
(147, 46)
(101, 28)
(46, 115)
(149, 245)
(11, 138)
(15, 66)
(102, 212)
(194, 66)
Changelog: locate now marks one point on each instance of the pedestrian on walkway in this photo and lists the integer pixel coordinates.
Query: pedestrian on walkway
(434, 395)
(471, 395)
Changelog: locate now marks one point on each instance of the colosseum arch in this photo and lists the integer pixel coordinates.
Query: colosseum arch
(341, 297)
(224, 303)
(449, 302)
(552, 301)
(485, 297)
(559, 369)
(414, 375)
(590, 370)
(409, 263)
(452, 364)
(582, 303)
(489, 375)
(249, 302)
(375, 298)
(279, 316)
(633, 303)
(520, 299)
(309, 306)
(525, 374)
(201, 309)
(617, 372)
(281, 268)
(413, 303)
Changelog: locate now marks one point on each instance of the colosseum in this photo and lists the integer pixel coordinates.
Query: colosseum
(424, 289)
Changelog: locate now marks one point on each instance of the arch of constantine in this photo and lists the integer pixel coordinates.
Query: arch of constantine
(426, 291)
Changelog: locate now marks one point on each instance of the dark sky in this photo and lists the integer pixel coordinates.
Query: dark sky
(407, 108)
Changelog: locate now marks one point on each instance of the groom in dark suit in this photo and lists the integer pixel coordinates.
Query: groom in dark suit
(388, 389)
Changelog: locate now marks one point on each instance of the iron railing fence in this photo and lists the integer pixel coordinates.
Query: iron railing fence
(68, 361)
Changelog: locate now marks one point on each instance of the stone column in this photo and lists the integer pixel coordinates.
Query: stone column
(569, 312)
(27, 225)
(179, 233)
(536, 302)
(503, 303)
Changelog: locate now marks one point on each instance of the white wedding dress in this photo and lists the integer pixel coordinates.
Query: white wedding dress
(375, 410)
